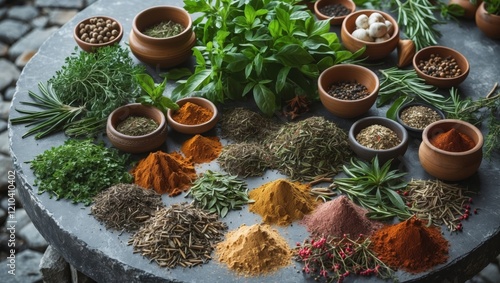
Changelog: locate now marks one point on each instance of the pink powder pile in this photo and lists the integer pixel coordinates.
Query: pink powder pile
(338, 217)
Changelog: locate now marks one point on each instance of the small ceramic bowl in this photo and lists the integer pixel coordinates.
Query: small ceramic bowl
(444, 52)
(91, 47)
(384, 155)
(412, 130)
(136, 144)
(348, 72)
(446, 165)
(318, 5)
(374, 50)
(194, 129)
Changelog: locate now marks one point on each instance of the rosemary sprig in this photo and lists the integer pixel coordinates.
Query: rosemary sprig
(375, 188)
(54, 116)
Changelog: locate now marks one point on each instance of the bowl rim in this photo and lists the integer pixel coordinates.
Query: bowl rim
(180, 10)
(387, 16)
(193, 99)
(426, 141)
(455, 53)
(359, 69)
(159, 129)
(80, 41)
(404, 137)
(352, 7)
(415, 103)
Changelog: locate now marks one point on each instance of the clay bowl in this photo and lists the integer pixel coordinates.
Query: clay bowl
(446, 165)
(318, 5)
(91, 47)
(136, 144)
(162, 52)
(413, 131)
(384, 155)
(425, 53)
(374, 50)
(194, 129)
(348, 72)
(487, 23)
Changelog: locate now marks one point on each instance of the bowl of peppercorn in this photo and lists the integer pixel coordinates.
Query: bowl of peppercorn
(98, 31)
(441, 66)
(378, 136)
(333, 10)
(451, 149)
(348, 90)
(415, 116)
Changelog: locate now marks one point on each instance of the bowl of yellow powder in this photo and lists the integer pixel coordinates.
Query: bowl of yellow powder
(195, 115)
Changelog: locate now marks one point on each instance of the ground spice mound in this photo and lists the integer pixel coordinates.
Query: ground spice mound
(125, 206)
(202, 149)
(179, 235)
(410, 245)
(192, 114)
(338, 217)
(165, 173)
(282, 202)
(452, 140)
(254, 250)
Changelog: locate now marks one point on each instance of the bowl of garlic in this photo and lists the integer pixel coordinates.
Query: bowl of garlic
(373, 29)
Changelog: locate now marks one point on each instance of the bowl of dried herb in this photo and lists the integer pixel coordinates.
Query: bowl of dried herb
(136, 128)
(415, 116)
(378, 136)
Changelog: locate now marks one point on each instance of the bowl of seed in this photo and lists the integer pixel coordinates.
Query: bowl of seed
(333, 10)
(348, 90)
(378, 136)
(136, 128)
(441, 66)
(415, 116)
(98, 31)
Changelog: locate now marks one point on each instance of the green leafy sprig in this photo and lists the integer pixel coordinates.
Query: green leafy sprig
(78, 170)
(375, 188)
(153, 93)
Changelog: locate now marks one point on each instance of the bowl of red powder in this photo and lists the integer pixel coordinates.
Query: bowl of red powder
(195, 115)
(451, 149)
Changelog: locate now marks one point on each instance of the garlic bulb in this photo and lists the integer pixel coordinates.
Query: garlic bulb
(362, 22)
(375, 18)
(362, 34)
(377, 30)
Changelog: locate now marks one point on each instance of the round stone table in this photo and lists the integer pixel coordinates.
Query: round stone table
(105, 256)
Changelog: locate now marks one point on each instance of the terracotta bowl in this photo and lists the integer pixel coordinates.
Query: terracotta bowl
(336, 20)
(91, 47)
(162, 52)
(374, 50)
(415, 132)
(446, 165)
(384, 155)
(348, 72)
(194, 129)
(487, 23)
(136, 144)
(425, 54)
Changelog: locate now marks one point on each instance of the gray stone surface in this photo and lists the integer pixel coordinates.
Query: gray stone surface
(74, 4)
(23, 13)
(22, 219)
(12, 30)
(23, 59)
(54, 267)
(3, 125)
(40, 22)
(26, 268)
(4, 149)
(9, 93)
(9, 73)
(31, 42)
(4, 108)
(33, 238)
(60, 16)
(5, 166)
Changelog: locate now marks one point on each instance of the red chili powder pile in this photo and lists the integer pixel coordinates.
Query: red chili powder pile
(410, 245)
(452, 140)
(338, 217)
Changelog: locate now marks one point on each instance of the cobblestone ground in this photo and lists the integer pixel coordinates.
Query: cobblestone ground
(24, 26)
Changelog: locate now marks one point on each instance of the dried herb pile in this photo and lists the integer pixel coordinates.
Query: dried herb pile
(125, 206)
(245, 159)
(243, 125)
(309, 148)
(180, 235)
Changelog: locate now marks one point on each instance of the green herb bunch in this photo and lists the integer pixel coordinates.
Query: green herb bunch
(272, 50)
(152, 93)
(375, 188)
(219, 193)
(94, 83)
(78, 170)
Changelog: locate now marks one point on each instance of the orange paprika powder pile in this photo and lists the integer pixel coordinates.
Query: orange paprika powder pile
(452, 140)
(192, 114)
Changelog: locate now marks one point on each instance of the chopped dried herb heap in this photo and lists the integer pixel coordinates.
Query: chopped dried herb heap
(309, 148)
(245, 159)
(137, 126)
(125, 206)
(180, 235)
(419, 116)
(164, 29)
(219, 193)
(378, 137)
(243, 125)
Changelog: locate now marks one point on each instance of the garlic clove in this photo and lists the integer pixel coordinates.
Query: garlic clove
(377, 30)
(383, 38)
(362, 22)
(375, 18)
(390, 26)
(362, 34)
(406, 50)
